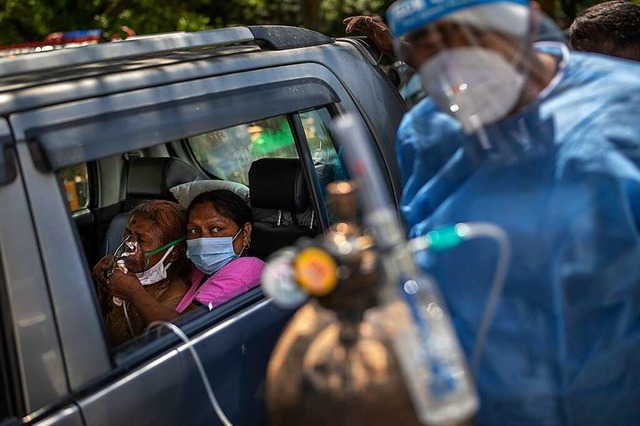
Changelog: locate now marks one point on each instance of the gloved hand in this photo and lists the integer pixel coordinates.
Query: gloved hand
(374, 28)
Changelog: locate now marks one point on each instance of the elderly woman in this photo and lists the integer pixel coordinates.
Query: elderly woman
(148, 273)
(218, 234)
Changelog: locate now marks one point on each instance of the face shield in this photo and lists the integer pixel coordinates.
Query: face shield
(474, 57)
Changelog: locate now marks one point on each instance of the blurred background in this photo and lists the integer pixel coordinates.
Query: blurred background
(34, 20)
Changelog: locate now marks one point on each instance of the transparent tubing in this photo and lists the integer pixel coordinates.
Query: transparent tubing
(479, 230)
(125, 306)
(468, 231)
(203, 375)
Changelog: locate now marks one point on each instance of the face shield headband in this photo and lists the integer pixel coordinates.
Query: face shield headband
(405, 16)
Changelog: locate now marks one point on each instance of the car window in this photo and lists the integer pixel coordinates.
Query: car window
(228, 153)
(75, 181)
(326, 157)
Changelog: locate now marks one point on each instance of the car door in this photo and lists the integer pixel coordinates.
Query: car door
(35, 385)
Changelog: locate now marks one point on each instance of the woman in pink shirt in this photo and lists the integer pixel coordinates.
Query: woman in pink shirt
(218, 234)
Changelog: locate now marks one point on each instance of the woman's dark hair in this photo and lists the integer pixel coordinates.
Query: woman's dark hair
(227, 204)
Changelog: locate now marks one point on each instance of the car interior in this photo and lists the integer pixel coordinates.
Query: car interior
(285, 194)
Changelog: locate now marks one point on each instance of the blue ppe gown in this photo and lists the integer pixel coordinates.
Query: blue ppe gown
(562, 178)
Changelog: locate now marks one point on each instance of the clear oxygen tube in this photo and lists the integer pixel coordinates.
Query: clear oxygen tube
(196, 359)
(413, 312)
(119, 256)
(447, 237)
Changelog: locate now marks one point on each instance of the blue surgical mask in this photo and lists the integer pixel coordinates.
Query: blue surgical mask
(210, 254)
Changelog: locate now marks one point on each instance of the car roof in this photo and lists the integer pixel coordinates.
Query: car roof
(26, 71)
(75, 60)
(48, 78)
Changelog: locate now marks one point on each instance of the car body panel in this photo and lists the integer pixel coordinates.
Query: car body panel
(40, 360)
(66, 416)
(79, 325)
(168, 390)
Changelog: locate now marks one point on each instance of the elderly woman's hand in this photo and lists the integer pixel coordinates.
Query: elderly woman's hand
(102, 269)
(100, 274)
(124, 286)
(374, 28)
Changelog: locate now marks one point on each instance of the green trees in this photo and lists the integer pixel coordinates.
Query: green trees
(32, 20)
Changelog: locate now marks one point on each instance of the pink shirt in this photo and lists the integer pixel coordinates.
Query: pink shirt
(232, 279)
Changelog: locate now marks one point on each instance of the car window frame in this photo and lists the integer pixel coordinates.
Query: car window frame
(28, 316)
(10, 387)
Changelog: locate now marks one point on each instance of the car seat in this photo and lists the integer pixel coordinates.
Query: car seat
(149, 178)
(278, 185)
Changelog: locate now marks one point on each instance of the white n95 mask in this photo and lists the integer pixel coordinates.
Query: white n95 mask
(156, 273)
(477, 86)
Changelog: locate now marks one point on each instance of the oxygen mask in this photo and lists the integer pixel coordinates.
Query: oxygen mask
(129, 256)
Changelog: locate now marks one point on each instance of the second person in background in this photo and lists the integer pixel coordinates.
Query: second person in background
(218, 235)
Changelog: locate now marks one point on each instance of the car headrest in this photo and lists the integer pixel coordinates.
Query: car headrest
(152, 177)
(278, 184)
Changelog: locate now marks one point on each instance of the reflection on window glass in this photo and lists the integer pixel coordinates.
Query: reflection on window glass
(228, 153)
(326, 159)
(75, 180)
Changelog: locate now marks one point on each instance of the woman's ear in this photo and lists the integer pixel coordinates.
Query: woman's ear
(246, 235)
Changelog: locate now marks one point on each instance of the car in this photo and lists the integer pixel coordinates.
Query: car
(86, 133)
(407, 81)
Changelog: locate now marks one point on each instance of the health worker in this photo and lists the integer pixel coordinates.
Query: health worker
(545, 143)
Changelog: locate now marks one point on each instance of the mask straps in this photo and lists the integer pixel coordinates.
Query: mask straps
(164, 247)
(234, 238)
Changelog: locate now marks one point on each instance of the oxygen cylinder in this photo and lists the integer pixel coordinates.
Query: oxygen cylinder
(333, 364)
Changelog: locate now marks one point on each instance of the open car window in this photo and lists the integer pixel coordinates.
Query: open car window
(75, 180)
(228, 153)
(325, 154)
